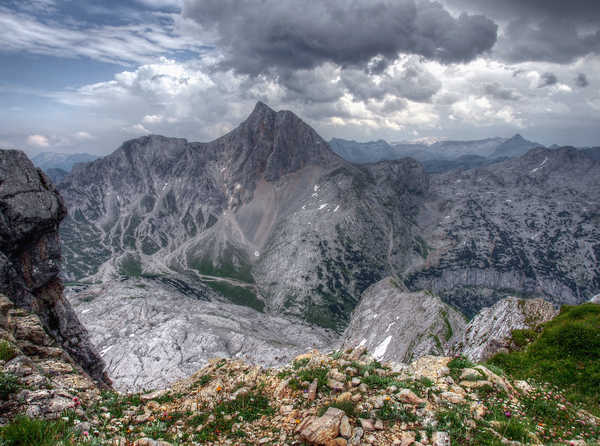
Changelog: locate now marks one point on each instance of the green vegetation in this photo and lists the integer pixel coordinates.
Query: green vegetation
(346, 406)
(523, 337)
(457, 365)
(25, 431)
(237, 295)
(9, 384)
(394, 412)
(309, 375)
(130, 266)
(7, 351)
(248, 407)
(565, 354)
(232, 263)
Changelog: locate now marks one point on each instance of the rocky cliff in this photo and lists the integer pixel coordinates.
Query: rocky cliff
(490, 332)
(397, 325)
(30, 256)
(526, 227)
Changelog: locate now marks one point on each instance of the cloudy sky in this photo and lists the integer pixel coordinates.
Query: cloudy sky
(82, 75)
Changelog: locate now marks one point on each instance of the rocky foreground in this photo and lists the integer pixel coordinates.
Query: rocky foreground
(340, 398)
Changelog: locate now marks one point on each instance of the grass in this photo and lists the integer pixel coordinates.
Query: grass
(25, 431)
(248, 407)
(393, 412)
(457, 365)
(565, 354)
(7, 351)
(309, 375)
(9, 384)
(346, 406)
(237, 295)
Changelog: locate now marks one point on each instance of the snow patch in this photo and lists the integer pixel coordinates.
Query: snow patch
(86, 311)
(256, 254)
(316, 188)
(363, 342)
(323, 206)
(381, 348)
(540, 166)
(336, 208)
(103, 352)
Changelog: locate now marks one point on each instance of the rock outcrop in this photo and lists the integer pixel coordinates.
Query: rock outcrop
(398, 325)
(490, 332)
(30, 256)
(39, 378)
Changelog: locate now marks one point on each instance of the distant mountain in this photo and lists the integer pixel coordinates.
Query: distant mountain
(367, 152)
(513, 147)
(463, 162)
(440, 156)
(56, 174)
(64, 161)
(592, 152)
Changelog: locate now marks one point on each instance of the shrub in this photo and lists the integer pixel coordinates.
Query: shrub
(7, 351)
(9, 384)
(346, 406)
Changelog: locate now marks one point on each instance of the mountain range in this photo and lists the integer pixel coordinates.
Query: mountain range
(264, 241)
(440, 156)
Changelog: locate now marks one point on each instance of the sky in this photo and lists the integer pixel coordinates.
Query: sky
(83, 76)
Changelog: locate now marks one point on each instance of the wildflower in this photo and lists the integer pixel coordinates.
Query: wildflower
(219, 388)
(508, 414)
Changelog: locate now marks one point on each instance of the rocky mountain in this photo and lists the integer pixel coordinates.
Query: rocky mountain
(441, 156)
(397, 325)
(56, 174)
(268, 208)
(513, 147)
(63, 161)
(367, 152)
(527, 226)
(491, 330)
(30, 256)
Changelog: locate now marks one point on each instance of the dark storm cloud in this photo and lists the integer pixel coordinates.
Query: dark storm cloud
(581, 80)
(547, 80)
(583, 11)
(541, 30)
(497, 91)
(260, 36)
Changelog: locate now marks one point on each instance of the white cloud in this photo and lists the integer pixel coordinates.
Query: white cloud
(38, 141)
(126, 44)
(152, 119)
(83, 136)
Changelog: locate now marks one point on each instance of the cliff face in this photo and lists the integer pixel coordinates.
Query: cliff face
(397, 325)
(30, 212)
(490, 332)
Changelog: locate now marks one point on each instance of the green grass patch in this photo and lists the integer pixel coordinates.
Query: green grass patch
(246, 408)
(9, 384)
(309, 375)
(394, 412)
(25, 431)
(7, 351)
(565, 354)
(347, 407)
(237, 295)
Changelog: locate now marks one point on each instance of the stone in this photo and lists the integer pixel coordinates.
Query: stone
(337, 375)
(366, 424)
(312, 390)
(335, 385)
(320, 430)
(440, 439)
(346, 396)
(524, 387)
(355, 382)
(378, 425)
(345, 428)
(357, 435)
(407, 438)
(407, 396)
(452, 397)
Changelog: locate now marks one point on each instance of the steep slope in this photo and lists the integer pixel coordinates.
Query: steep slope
(397, 325)
(527, 226)
(30, 212)
(490, 332)
(268, 207)
(513, 147)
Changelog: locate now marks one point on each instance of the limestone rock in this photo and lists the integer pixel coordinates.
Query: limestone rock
(321, 430)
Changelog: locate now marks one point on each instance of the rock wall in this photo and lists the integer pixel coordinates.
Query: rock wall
(30, 212)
